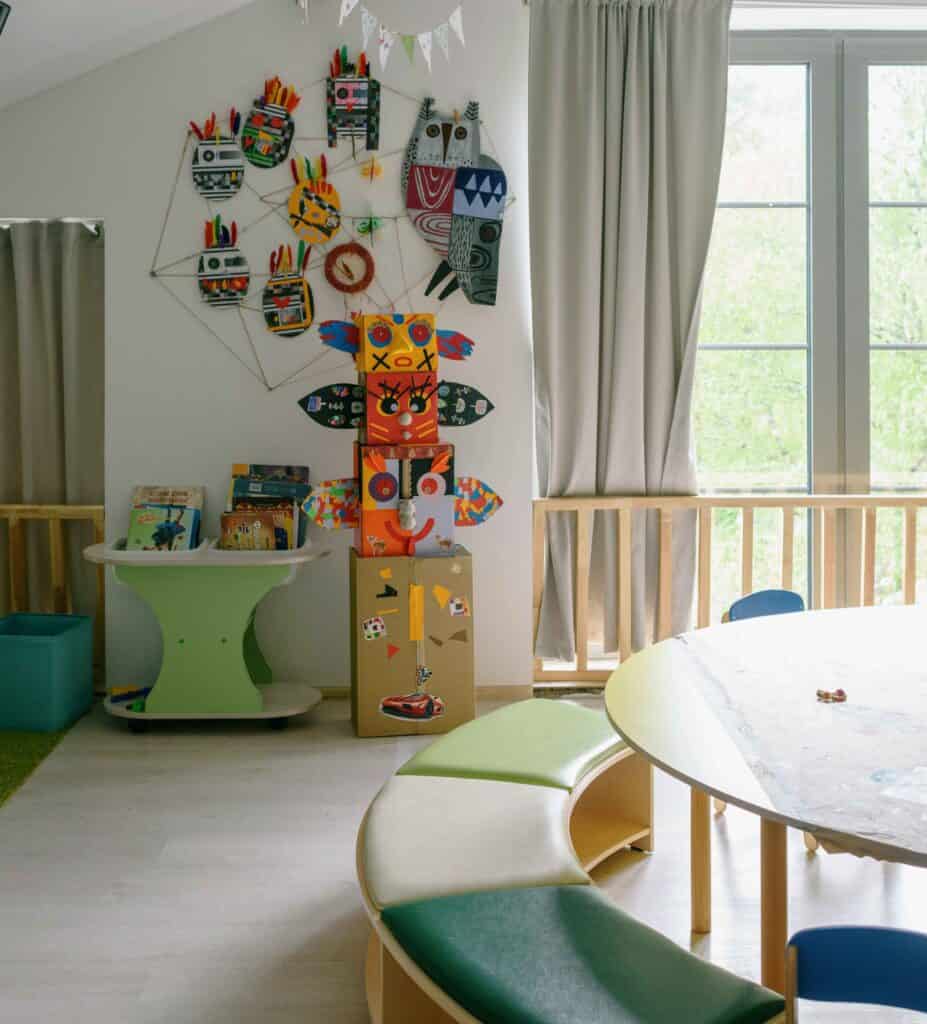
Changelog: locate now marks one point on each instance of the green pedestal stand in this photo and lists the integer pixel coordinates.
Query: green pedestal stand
(205, 602)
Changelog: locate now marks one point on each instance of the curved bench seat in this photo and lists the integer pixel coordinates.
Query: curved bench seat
(473, 860)
(541, 742)
(567, 955)
(428, 836)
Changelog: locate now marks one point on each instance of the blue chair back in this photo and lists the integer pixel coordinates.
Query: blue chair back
(766, 602)
(878, 966)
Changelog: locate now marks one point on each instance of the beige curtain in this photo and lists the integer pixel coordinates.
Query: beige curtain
(627, 106)
(51, 387)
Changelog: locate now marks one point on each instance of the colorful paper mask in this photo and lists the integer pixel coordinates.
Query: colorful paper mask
(269, 129)
(333, 504)
(222, 271)
(402, 408)
(352, 102)
(218, 164)
(476, 501)
(287, 301)
(314, 206)
(455, 196)
(400, 342)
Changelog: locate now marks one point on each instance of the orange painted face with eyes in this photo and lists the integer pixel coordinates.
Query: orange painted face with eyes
(397, 342)
(402, 408)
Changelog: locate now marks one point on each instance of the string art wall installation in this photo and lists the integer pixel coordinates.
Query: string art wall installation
(348, 241)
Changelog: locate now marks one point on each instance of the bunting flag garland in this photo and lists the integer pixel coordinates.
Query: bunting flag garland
(456, 23)
(386, 41)
(424, 41)
(369, 23)
(440, 33)
(347, 6)
(386, 36)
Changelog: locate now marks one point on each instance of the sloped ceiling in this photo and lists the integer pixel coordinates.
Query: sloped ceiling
(47, 42)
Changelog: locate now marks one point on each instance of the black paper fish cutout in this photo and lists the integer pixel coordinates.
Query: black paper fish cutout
(340, 406)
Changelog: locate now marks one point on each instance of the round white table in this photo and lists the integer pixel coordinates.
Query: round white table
(732, 711)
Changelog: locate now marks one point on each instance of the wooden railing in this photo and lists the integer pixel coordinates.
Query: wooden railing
(828, 525)
(16, 517)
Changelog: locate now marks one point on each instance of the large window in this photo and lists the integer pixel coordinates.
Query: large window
(812, 370)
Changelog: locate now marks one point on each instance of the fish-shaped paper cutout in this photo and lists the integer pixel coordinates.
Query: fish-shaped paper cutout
(343, 336)
(339, 406)
(476, 501)
(333, 504)
(459, 405)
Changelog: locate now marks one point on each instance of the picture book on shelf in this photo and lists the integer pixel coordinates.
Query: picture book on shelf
(267, 530)
(165, 518)
(269, 488)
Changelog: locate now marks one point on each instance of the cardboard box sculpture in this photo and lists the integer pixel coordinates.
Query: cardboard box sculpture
(411, 644)
(411, 584)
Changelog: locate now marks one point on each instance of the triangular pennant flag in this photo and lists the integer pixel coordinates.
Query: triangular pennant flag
(424, 41)
(386, 39)
(456, 23)
(346, 7)
(409, 43)
(368, 25)
(440, 34)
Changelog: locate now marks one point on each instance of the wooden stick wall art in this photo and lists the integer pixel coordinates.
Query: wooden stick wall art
(453, 193)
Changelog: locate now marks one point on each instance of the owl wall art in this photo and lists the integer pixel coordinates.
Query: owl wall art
(455, 197)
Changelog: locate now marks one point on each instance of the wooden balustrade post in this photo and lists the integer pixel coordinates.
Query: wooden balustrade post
(581, 588)
(788, 546)
(910, 555)
(665, 587)
(704, 566)
(538, 551)
(19, 593)
(624, 584)
(869, 553)
(746, 552)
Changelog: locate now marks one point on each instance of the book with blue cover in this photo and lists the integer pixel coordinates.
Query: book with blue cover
(165, 518)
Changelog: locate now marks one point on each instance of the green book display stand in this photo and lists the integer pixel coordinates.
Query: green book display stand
(204, 601)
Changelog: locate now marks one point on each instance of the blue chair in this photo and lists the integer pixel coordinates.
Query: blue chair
(765, 602)
(753, 606)
(875, 966)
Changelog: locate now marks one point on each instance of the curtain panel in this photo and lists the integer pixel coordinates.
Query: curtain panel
(627, 109)
(51, 389)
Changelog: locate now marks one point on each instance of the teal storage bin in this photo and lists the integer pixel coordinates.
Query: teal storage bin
(46, 670)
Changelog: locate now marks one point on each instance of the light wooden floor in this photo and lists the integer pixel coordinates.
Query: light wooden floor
(206, 876)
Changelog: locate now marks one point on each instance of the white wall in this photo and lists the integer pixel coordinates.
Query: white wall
(179, 408)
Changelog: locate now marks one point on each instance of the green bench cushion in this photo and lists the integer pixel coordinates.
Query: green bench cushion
(564, 955)
(543, 742)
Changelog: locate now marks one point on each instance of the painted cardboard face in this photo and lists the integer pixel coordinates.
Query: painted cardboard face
(403, 342)
(267, 134)
(402, 408)
(223, 276)
(288, 305)
(218, 168)
(353, 110)
(315, 211)
(387, 480)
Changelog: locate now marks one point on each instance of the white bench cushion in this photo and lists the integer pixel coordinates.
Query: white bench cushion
(429, 836)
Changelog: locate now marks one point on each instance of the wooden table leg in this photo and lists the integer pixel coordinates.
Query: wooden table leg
(700, 826)
(773, 903)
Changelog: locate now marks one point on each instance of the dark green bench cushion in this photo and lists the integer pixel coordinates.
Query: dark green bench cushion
(542, 742)
(566, 955)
